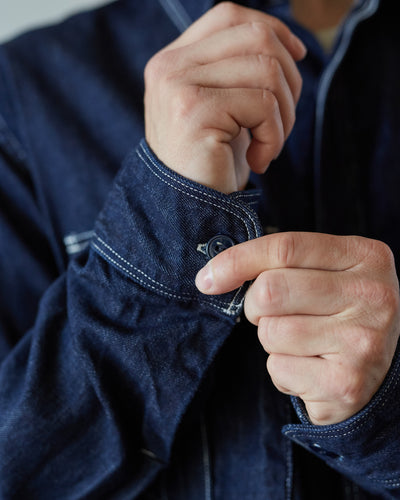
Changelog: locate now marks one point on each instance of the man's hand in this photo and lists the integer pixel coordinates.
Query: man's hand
(327, 311)
(232, 70)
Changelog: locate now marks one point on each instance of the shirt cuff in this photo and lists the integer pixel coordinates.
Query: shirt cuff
(159, 229)
(364, 447)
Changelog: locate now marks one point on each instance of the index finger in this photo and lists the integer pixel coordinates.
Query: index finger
(227, 14)
(244, 262)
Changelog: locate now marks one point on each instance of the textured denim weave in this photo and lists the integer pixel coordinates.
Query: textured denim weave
(117, 378)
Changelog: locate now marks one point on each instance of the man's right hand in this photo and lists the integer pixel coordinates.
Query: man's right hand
(232, 70)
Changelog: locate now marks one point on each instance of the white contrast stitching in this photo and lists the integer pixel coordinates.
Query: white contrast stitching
(166, 174)
(142, 282)
(232, 304)
(131, 265)
(356, 424)
(231, 310)
(191, 195)
(187, 295)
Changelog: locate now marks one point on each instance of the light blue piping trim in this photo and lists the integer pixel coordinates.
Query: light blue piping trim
(367, 10)
(177, 13)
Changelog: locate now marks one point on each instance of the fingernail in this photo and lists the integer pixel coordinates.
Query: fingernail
(299, 46)
(204, 279)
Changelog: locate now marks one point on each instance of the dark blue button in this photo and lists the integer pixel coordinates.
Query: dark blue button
(217, 244)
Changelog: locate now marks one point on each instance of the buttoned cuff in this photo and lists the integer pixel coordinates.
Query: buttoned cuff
(365, 447)
(159, 229)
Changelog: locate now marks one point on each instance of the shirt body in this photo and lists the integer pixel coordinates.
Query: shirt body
(118, 379)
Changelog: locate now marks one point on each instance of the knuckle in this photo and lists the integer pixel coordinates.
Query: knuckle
(263, 33)
(381, 249)
(263, 332)
(184, 101)
(369, 345)
(267, 328)
(273, 368)
(154, 68)
(229, 11)
(270, 102)
(285, 249)
(270, 67)
(375, 252)
(352, 389)
(389, 297)
(384, 297)
(347, 386)
(269, 295)
(278, 26)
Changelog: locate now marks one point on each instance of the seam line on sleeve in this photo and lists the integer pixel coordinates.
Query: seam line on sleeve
(148, 282)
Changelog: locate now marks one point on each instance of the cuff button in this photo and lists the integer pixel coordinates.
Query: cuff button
(218, 244)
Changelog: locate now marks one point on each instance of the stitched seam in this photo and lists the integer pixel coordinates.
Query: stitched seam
(141, 281)
(132, 266)
(289, 461)
(229, 310)
(196, 190)
(248, 214)
(232, 305)
(244, 195)
(356, 424)
(136, 269)
(190, 195)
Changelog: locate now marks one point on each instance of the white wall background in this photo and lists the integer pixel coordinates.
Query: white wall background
(20, 15)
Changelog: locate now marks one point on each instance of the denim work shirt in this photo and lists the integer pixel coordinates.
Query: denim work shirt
(118, 379)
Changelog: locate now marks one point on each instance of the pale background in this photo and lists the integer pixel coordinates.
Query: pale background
(17, 16)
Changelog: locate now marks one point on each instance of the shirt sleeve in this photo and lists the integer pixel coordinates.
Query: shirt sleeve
(364, 448)
(101, 360)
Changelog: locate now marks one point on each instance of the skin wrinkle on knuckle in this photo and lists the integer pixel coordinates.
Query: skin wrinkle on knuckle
(276, 368)
(346, 387)
(269, 293)
(378, 298)
(185, 100)
(352, 391)
(275, 328)
(157, 67)
(269, 67)
(263, 332)
(274, 139)
(264, 34)
(285, 249)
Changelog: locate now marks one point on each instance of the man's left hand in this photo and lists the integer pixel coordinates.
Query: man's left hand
(327, 311)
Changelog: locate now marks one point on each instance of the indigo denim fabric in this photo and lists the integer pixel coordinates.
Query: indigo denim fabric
(118, 380)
